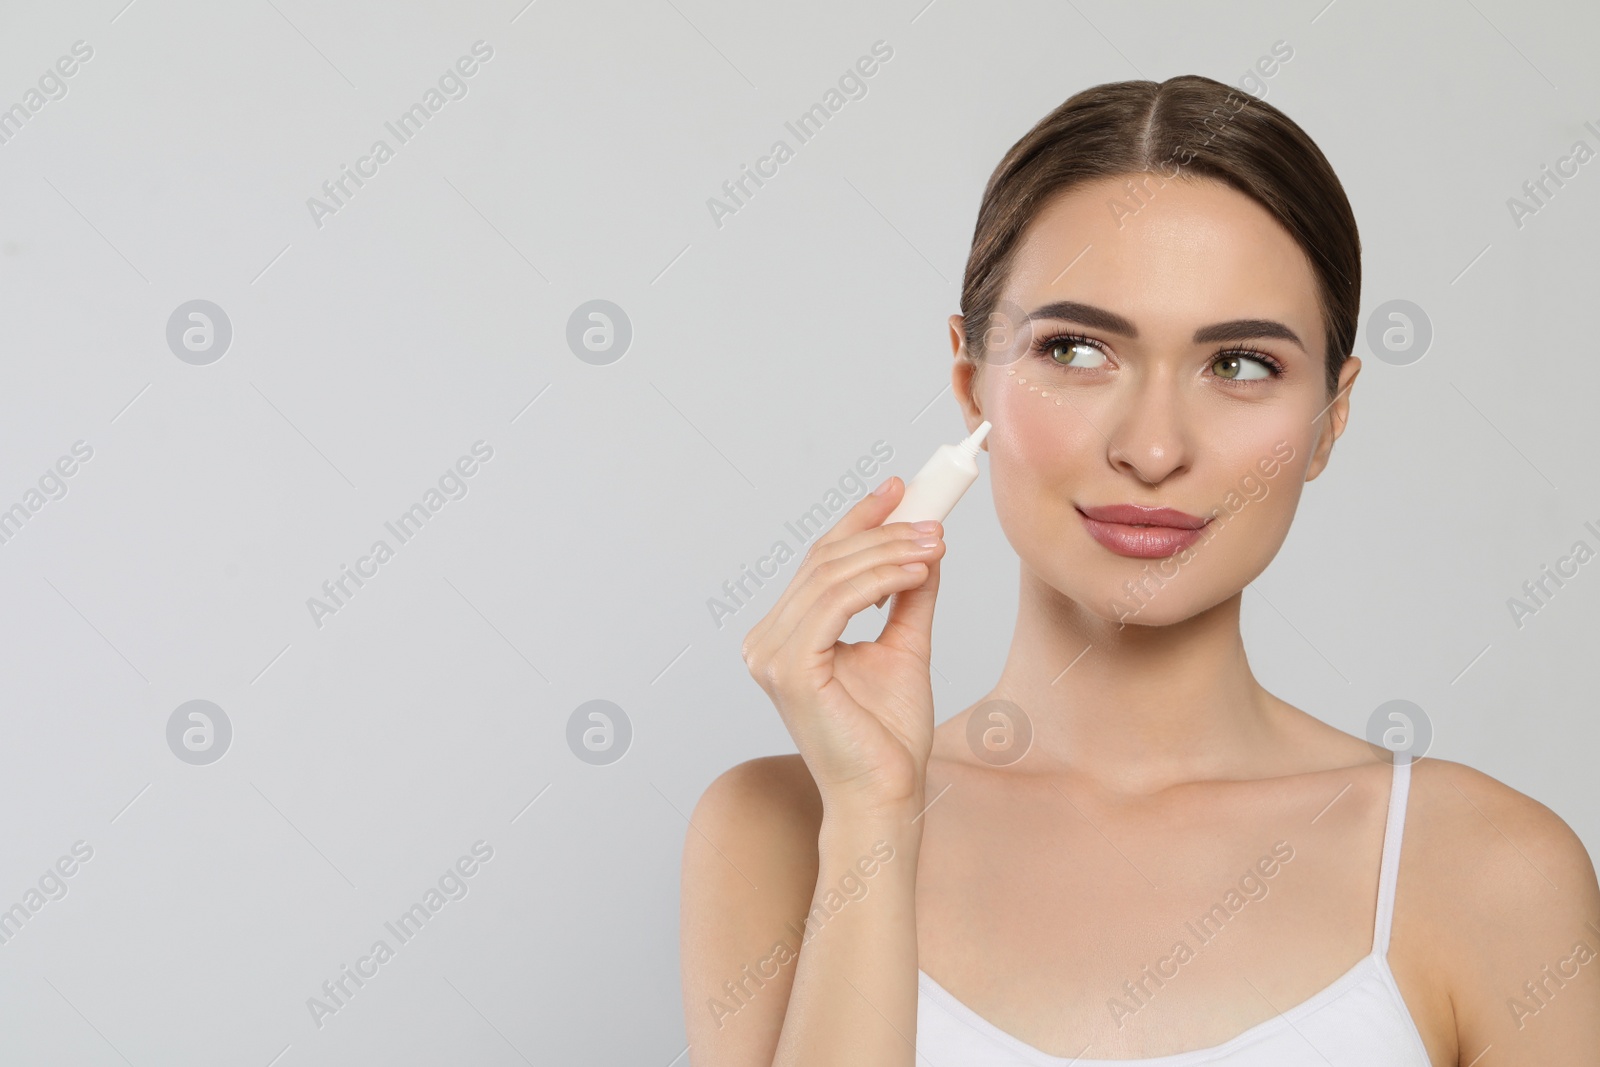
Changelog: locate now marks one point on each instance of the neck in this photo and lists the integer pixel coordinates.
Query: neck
(1141, 707)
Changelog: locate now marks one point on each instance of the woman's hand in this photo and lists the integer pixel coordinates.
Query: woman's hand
(861, 714)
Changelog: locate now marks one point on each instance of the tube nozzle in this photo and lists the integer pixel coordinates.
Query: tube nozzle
(972, 445)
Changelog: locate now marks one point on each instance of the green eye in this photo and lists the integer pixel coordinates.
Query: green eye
(1238, 366)
(1065, 350)
(1071, 344)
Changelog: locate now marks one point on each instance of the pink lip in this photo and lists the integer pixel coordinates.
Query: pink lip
(1141, 532)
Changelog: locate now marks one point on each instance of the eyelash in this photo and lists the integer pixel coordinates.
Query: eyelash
(1042, 347)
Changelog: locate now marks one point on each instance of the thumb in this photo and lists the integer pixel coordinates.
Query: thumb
(910, 625)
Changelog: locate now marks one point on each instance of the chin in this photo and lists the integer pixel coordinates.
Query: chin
(1160, 612)
(1155, 599)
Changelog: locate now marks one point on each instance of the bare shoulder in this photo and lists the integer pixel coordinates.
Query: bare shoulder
(766, 794)
(749, 872)
(760, 817)
(1512, 842)
(1507, 893)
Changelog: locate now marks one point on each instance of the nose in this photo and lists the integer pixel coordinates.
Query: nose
(1148, 437)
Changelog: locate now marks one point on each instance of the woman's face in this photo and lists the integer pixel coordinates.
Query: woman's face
(1111, 377)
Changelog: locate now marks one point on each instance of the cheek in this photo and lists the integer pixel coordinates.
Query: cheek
(1257, 449)
(1267, 475)
(1043, 425)
(1039, 460)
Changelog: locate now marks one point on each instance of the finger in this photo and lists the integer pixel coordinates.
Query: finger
(910, 625)
(818, 630)
(855, 569)
(868, 512)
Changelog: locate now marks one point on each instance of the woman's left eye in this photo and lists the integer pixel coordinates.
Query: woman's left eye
(1240, 366)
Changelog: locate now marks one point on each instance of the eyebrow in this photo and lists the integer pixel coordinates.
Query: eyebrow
(1232, 330)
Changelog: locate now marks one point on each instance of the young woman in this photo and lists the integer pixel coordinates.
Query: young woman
(1128, 852)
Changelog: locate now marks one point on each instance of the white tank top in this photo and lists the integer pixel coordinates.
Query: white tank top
(1360, 1020)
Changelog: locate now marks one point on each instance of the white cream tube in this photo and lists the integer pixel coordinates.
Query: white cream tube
(942, 480)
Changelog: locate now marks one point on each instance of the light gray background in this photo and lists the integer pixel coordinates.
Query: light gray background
(767, 356)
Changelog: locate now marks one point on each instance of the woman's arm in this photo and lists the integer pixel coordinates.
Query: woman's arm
(798, 928)
(799, 891)
(1523, 911)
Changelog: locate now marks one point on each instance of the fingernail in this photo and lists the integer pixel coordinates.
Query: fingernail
(884, 488)
(925, 526)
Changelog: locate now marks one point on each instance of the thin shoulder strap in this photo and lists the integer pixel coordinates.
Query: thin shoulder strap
(1393, 831)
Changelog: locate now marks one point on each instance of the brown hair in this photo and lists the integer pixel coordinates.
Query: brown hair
(1190, 127)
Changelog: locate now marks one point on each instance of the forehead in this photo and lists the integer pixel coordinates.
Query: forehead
(1180, 253)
